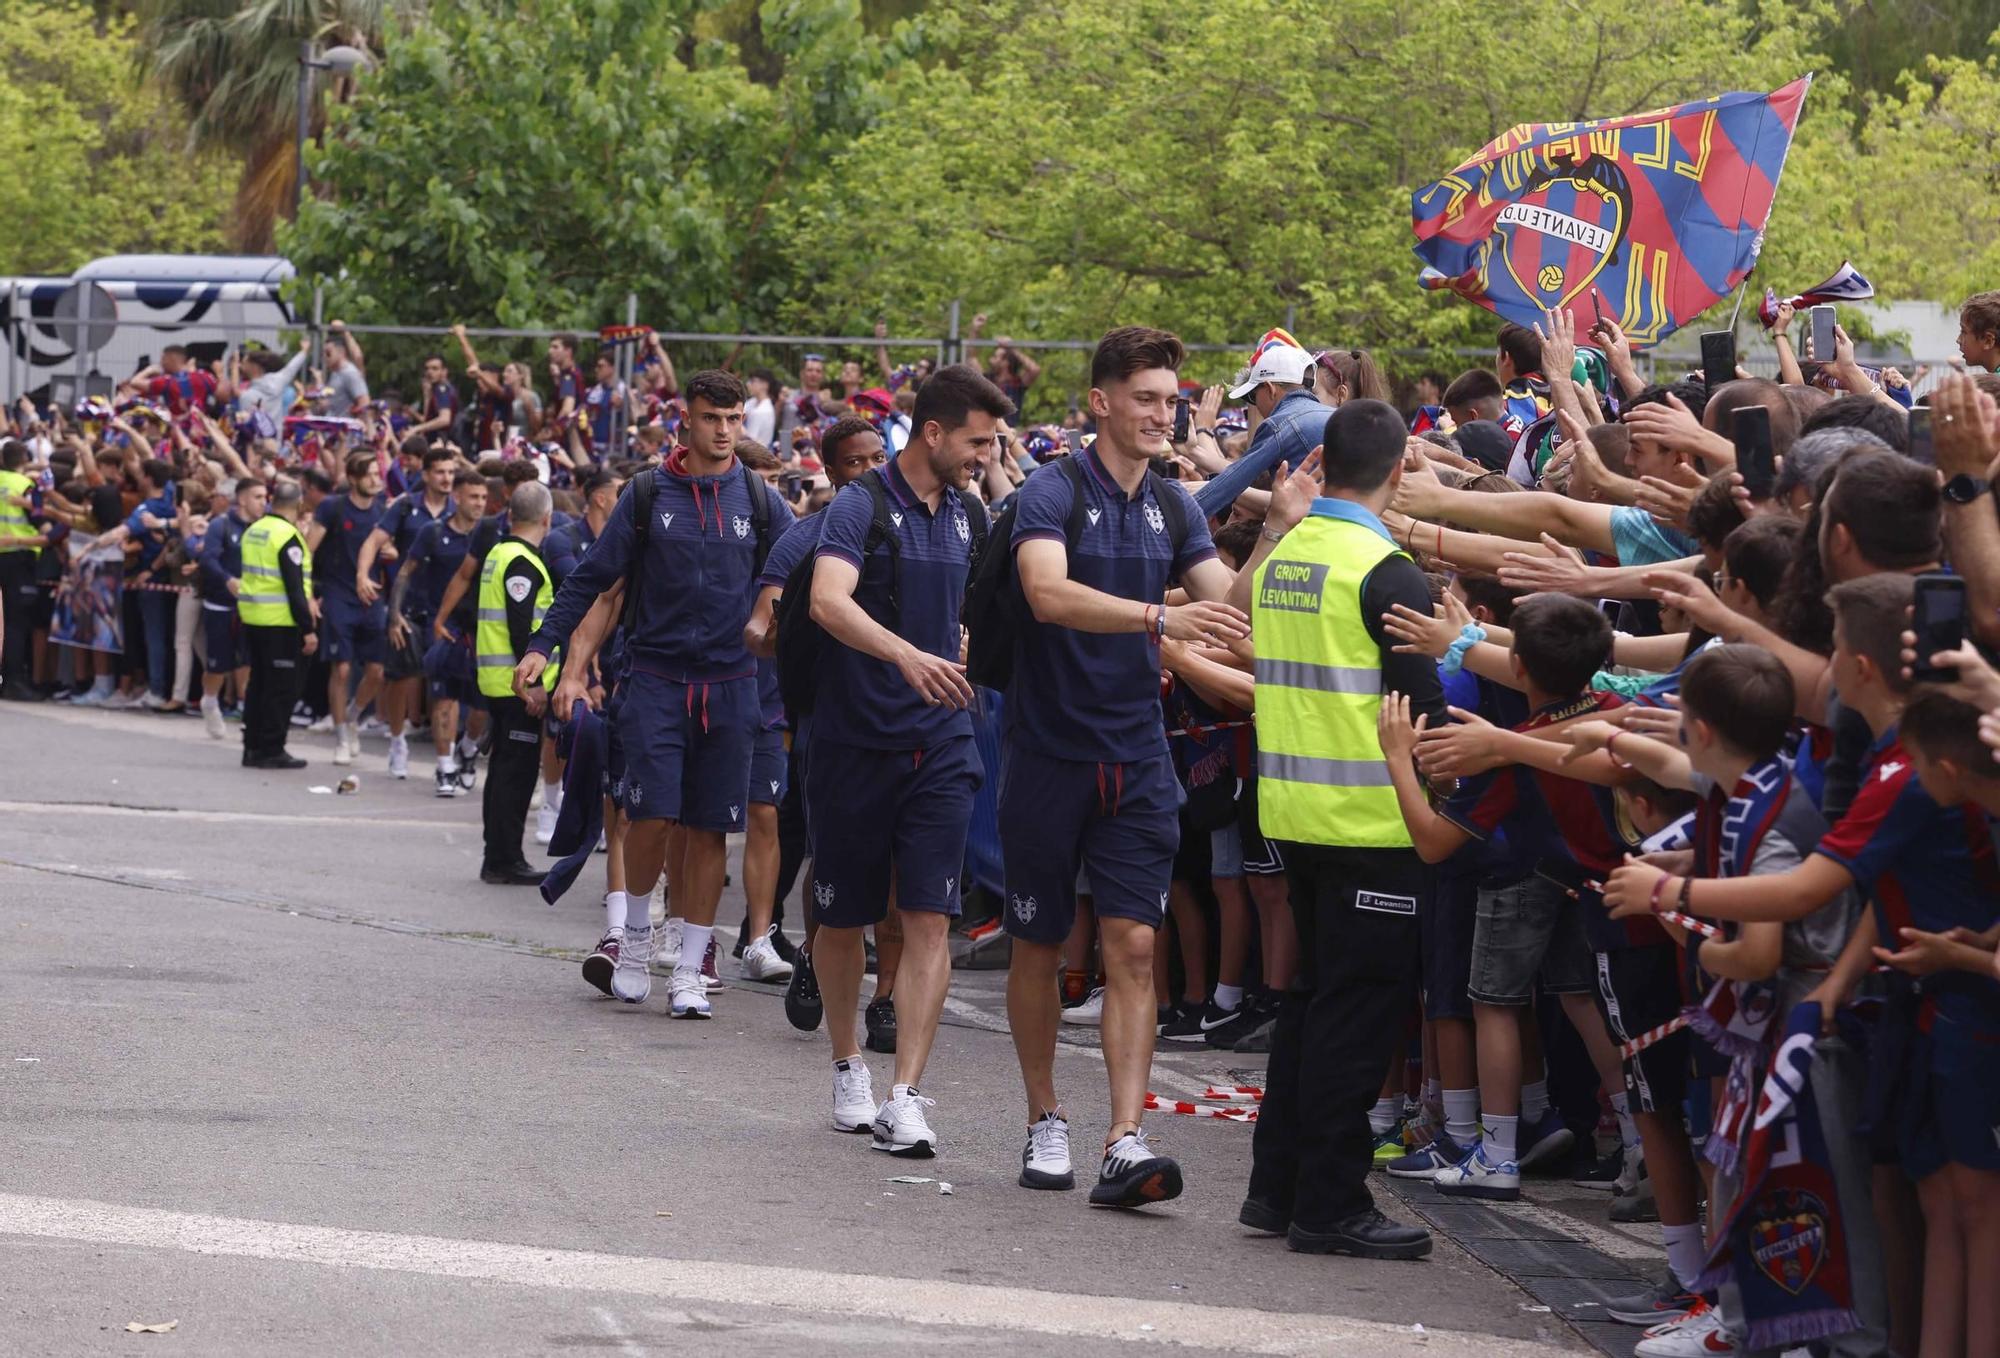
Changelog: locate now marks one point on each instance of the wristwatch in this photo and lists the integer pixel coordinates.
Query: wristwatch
(1963, 489)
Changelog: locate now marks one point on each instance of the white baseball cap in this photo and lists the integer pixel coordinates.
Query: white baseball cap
(1274, 363)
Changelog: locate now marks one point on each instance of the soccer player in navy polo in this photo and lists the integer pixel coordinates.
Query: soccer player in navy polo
(686, 716)
(1086, 777)
(893, 770)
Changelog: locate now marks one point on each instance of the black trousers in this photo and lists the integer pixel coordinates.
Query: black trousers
(274, 686)
(793, 850)
(511, 771)
(22, 594)
(1345, 1016)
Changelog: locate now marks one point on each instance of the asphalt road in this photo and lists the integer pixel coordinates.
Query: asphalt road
(276, 1067)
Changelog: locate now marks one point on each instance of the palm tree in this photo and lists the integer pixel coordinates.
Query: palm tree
(233, 65)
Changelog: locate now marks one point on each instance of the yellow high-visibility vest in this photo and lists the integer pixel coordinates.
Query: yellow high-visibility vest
(14, 525)
(261, 601)
(493, 648)
(1321, 778)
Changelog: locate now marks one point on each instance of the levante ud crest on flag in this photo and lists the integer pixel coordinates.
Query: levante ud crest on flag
(1647, 219)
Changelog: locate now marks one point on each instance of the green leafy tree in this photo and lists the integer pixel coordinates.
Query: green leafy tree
(536, 168)
(233, 65)
(96, 163)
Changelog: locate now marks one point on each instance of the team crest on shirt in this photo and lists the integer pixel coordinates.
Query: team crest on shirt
(667, 521)
(1024, 907)
(1092, 515)
(823, 894)
(1155, 518)
(896, 518)
(741, 524)
(964, 528)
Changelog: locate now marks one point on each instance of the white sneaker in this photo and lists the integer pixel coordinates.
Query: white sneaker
(630, 980)
(900, 1128)
(447, 781)
(1045, 1159)
(152, 701)
(399, 756)
(853, 1096)
(343, 744)
(211, 719)
(761, 961)
(1697, 1334)
(545, 824)
(1089, 1012)
(371, 726)
(687, 997)
(119, 702)
(1478, 1177)
(322, 725)
(667, 944)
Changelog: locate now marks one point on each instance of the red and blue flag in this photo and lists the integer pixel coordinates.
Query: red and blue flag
(1648, 219)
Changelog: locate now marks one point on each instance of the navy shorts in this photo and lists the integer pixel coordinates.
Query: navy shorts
(1120, 822)
(1954, 1117)
(354, 633)
(1446, 922)
(686, 750)
(1641, 989)
(222, 634)
(874, 810)
(768, 765)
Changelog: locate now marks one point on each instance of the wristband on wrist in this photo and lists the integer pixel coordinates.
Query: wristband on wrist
(1610, 741)
(1270, 536)
(1469, 636)
(1146, 618)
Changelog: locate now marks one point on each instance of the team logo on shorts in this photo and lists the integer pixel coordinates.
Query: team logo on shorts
(734, 812)
(1163, 900)
(1155, 518)
(823, 894)
(949, 883)
(774, 787)
(742, 525)
(1024, 907)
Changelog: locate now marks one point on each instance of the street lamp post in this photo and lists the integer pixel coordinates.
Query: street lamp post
(341, 60)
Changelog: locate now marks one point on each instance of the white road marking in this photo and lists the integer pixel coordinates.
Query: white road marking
(907, 1300)
(75, 810)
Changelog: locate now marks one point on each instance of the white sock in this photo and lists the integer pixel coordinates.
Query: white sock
(1382, 1116)
(1229, 997)
(210, 703)
(1500, 1134)
(614, 911)
(468, 747)
(552, 794)
(898, 1091)
(1534, 1101)
(694, 945)
(448, 762)
(1685, 1252)
(1461, 1116)
(1628, 1130)
(638, 911)
(1433, 1089)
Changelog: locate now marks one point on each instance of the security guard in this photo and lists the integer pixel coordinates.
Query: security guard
(19, 543)
(278, 613)
(514, 593)
(1321, 579)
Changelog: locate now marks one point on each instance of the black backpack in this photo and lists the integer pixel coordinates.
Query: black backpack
(644, 486)
(802, 642)
(994, 605)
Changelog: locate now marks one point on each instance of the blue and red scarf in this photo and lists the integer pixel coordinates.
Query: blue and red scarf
(1735, 1016)
(1782, 1242)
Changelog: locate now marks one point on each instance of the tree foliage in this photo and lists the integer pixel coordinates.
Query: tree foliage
(95, 162)
(536, 170)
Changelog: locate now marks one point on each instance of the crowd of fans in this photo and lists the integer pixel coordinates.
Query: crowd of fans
(1689, 752)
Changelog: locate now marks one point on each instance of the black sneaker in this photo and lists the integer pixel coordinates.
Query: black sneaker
(511, 874)
(1132, 1176)
(1200, 1022)
(1664, 1300)
(880, 1017)
(786, 949)
(1258, 1039)
(603, 960)
(803, 1007)
(1225, 1035)
(1366, 1235)
(1180, 1021)
(1603, 1172)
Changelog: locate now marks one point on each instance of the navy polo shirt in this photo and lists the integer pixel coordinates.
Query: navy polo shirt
(866, 702)
(347, 526)
(1093, 695)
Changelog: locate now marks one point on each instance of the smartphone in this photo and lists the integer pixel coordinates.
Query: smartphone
(1075, 440)
(1922, 446)
(1718, 358)
(1939, 624)
(1750, 428)
(1596, 309)
(1183, 419)
(1822, 334)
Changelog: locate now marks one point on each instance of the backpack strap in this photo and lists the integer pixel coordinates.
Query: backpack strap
(882, 533)
(645, 486)
(760, 516)
(1072, 467)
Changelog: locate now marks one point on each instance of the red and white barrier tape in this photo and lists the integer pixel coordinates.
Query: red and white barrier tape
(1691, 924)
(1628, 1050)
(1156, 1104)
(1233, 1094)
